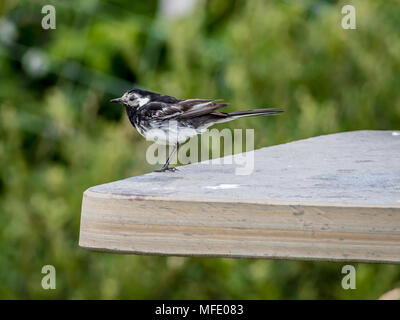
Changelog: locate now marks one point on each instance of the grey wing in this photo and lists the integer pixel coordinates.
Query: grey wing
(182, 110)
(159, 111)
(193, 108)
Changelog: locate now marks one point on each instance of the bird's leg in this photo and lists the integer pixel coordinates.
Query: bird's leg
(165, 166)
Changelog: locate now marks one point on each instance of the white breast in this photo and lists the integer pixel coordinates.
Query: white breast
(168, 132)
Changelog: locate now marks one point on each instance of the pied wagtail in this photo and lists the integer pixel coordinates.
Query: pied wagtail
(178, 119)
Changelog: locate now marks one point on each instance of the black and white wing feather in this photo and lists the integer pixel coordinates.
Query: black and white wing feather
(182, 110)
(196, 113)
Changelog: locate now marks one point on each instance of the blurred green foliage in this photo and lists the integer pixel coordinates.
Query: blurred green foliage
(59, 135)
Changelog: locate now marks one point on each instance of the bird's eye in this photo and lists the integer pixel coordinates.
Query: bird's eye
(132, 98)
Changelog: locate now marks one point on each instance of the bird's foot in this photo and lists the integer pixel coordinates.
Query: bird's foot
(172, 169)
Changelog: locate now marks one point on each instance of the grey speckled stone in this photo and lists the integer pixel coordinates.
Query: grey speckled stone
(359, 167)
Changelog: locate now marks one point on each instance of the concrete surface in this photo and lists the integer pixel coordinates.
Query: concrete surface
(359, 167)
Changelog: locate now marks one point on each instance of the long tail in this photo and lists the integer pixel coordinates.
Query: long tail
(255, 112)
(220, 117)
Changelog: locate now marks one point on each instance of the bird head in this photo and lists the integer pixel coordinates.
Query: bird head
(134, 98)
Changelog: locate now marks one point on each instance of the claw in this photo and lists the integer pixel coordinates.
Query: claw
(172, 169)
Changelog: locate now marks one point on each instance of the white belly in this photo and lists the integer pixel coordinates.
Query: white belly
(168, 133)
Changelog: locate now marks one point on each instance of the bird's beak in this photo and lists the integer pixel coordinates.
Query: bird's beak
(117, 100)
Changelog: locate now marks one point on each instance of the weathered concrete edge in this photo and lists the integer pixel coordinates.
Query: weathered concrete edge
(235, 256)
(94, 194)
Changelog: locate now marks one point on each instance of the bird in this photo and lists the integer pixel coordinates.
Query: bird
(178, 119)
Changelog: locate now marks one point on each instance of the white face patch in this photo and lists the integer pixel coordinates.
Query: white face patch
(140, 102)
(135, 100)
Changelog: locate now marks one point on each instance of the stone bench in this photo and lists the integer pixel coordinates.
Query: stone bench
(334, 197)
